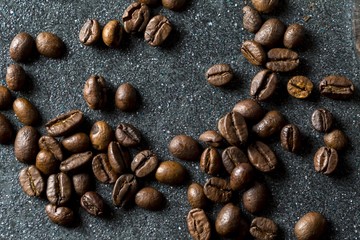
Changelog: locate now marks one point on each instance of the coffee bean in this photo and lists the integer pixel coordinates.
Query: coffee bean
(119, 158)
(263, 85)
(90, 32)
(185, 148)
(6, 130)
(219, 74)
(46, 162)
(26, 144)
(102, 169)
(196, 196)
(5, 98)
(294, 36)
(58, 190)
(112, 34)
(175, 5)
(322, 120)
(251, 20)
(15, 77)
(50, 144)
(249, 109)
(255, 198)
(64, 123)
(157, 30)
(31, 181)
(136, 17)
(22, 47)
(60, 215)
(126, 98)
(229, 222)
(310, 226)
(272, 123)
(265, 6)
(171, 172)
(336, 139)
(144, 163)
(149, 198)
(77, 143)
(93, 203)
(218, 190)
(336, 87)
(326, 160)
(150, 2)
(290, 138)
(253, 52)
(300, 87)
(241, 176)
(124, 190)
(25, 111)
(127, 135)
(262, 157)
(282, 60)
(50, 45)
(95, 92)
(198, 224)
(211, 138)
(263, 229)
(81, 183)
(271, 33)
(76, 162)
(233, 128)
(210, 161)
(232, 157)
(101, 134)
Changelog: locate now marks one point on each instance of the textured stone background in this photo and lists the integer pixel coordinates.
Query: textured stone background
(176, 99)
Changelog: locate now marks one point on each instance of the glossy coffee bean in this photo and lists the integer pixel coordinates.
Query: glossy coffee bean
(185, 148)
(326, 160)
(249, 109)
(31, 181)
(253, 52)
(124, 190)
(6, 130)
(101, 134)
(263, 85)
(311, 226)
(127, 135)
(77, 143)
(136, 17)
(336, 139)
(263, 229)
(218, 190)
(50, 45)
(112, 34)
(300, 87)
(5, 98)
(282, 60)
(46, 162)
(60, 215)
(58, 189)
(219, 74)
(196, 196)
(119, 158)
(93, 203)
(76, 162)
(26, 144)
(157, 30)
(336, 87)
(103, 170)
(271, 33)
(64, 123)
(175, 5)
(149, 198)
(198, 224)
(290, 138)
(322, 120)
(81, 183)
(144, 163)
(211, 138)
(233, 128)
(294, 36)
(229, 221)
(22, 47)
(255, 198)
(210, 161)
(126, 98)
(52, 145)
(272, 123)
(232, 157)
(90, 32)
(252, 21)
(25, 111)
(15, 77)
(171, 172)
(262, 157)
(95, 92)
(265, 6)
(241, 176)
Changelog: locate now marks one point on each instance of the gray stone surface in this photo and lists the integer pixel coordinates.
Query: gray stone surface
(176, 99)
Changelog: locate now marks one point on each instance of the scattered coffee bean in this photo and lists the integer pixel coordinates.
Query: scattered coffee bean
(81, 183)
(95, 92)
(241, 176)
(26, 144)
(294, 36)
(263, 229)
(119, 158)
(59, 188)
(229, 222)
(127, 135)
(232, 157)
(101, 134)
(210, 161)
(22, 47)
(251, 20)
(255, 198)
(76, 162)
(263, 85)
(124, 190)
(149, 198)
(6, 130)
(102, 169)
(171, 172)
(64, 123)
(175, 5)
(253, 52)
(326, 160)
(219, 74)
(60, 215)
(93, 203)
(77, 143)
(31, 181)
(144, 163)
(249, 109)
(112, 34)
(322, 120)
(5, 98)
(271, 33)
(265, 6)
(290, 138)
(46, 162)
(90, 32)
(336, 87)
(196, 196)
(310, 226)
(218, 190)
(50, 144)
(262, 157)
(25, 111)
(50, 45)
(198, 224)
(157, 30)
(185, 148)
(282, 60)
(136, 17)
(126, 98)
(300, 87)
(15, 77)
(211, 138)
(272, 123)
(336, 139)
(233, 128)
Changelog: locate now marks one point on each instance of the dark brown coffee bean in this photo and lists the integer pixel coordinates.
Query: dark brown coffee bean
(229, 221)
(150, 2)
(93, 203)
(26, 144)
(196, 196)
(50, 144)
(300, 87)
(60, 215)
(157, 30)
(241, 176)
(95, 92)
(271, 33)
(22, 47)
(25, 111)
(265, 6)
(124, 190)
(112, 34)
(58, 190)
(102, 169)
(101, 134)
(15, 77)
(126, 98)
(282, 60)
(210, 161)
(336, 87)
(90, 32)
(253, 52)
(322, 120)
(251, 20)
(311, 226)
(263, 85)
(255, 198)
(31, 181)
(232, 157)
(50, 45)
(76, 162)
(46, 162)
(5, 98)
(198, 224)
(119, 158)
(175, 5)
(336, 139)
(127, 135)
(136, 17)
(294, 36)
(249, 109)
(171, 172)
(149, 198)
(262, 157)
(272, 123)
(326, 160)
(81, 183)
(77, 143)
(144, 163)
(6, 130)
(211, 138)
(64, 123)
(219, 74)
(218, 190)
(233, 128)
(263, 229)
(290, 138)
(185, 148)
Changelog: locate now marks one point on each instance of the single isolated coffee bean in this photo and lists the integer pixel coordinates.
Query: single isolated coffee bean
(230, 223)
(282, 60)
(300, 87)
(46, 162)
(272, 123)
(290, 138)
(271, 33)
(253, 52)
(124, 190)
(171, 172)
(232, 157)
(103, 170)
(81, 183)
(311, 226)
(241, 176)
(95, 92)
(263, 229)
(25, 111)
(101, 134)
(77, 143)
(255, 198)
(185, 148)
(50, 45)
(211, 138)
(5, 98)
(76, 162)
(336, 87)
(265, 6)
(157, 30)
(22, 47)
(144, 163)
(198, 224)
(64, 123)
(219, 74)
(93, 203)
(136, 17)
(262, 157)
(112, 34)
(26, 144)
(322, 120)
(294, 36)
(249, 109)
(90, 32)
(15, 77)
(196, 196)
(210, 161)
(126, 98)
(336, 139)
(251, 20)
(58, 189)
(6, 130)
(149, 198)
(263, 85)
(52, 145)
(60, 215)
(175, 5)
(127, 135)
(326, 160)
(233, 128)
(119, 157)
(218, 190)
(31, 181)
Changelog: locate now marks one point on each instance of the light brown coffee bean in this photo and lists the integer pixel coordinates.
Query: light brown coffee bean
(22, 47)
(50, 45)
(15, 77)
(31, 181)
(253, 52)
(25, 111)
(251, 20)
(171, 172)
(282, 60)
(300, 87)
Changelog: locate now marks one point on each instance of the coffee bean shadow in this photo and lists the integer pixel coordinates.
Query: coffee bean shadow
(281, 8)
(110, 104)
(235, 84)
(29, 84)
(306, 149)
(343, 168)
(329, 231)
(173, 39)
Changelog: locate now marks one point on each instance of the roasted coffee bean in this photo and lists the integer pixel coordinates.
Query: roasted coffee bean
(81, 183)
(198, 224)
(263, 85)
(126, 98)
(211, 138)
(157, 30)
(300, 87)
(232, 157)
(58, 190)
(271, 33)
(6, 130)
(127, 135)
(219, 74)
(265, 6)
(262, 157)
(149, 198)
(90, 32)
(77, 143)
(210, 161)
(175, 5)
(229, 221)
(282, 60)
(101, 134)
(151, 2)
(60, 215)
(25, 111)
(255, 198)
(326, 160)
(336, 139)
(263, 229)
(218, 190)
(233, 128)
(253, 52)
(31, 181)
(136, 17)
(50, 45)
(26, 144)
(76, 162)
(171, 172)
(336, 87)
(124, 190)
(272, 123)
(5, 98)
(144, 163)
(15, 77)
(93, 203)
(112, 34)
(22, 47)
(322, 120)
(251, 20)
(64, 123)
(102, 169)
(95, 92)
(249, 109)
(294, 36)
(119, 157)
(290, 138)
(46, 162)
(185, 148)
(196, 196)
(241, 176)
(50, 144)
(311, 226)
